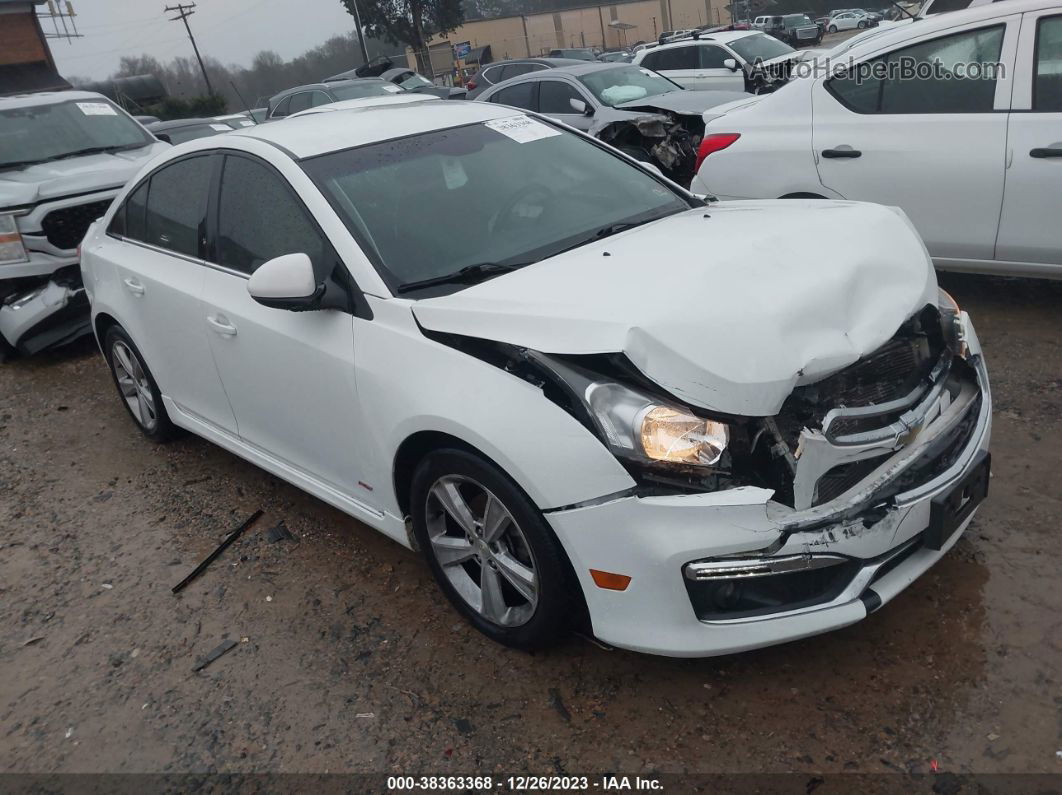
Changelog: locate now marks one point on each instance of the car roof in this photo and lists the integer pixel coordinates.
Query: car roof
(578, 68)
(319, 133)
(894, 34)
(173, 124)
(722, 37)
(555, 62)
(367, 102)
(48, 98)
(325, 86)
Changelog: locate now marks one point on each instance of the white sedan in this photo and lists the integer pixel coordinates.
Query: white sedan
(971, 150)
(588, 398)
(847, 20)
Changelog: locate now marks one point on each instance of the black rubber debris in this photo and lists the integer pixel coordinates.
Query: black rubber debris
(221, 548)
(558, 704)
(224, 647)
(279, 532)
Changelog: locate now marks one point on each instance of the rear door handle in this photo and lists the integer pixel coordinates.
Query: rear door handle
(1047, 151)
(133, 286)
(836, 154)
(221, 325)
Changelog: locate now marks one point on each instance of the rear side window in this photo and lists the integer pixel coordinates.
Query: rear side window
(281, 108)
(521, 95)
(300, 101)
(953, 74)
(492, 74)
(176, 205)
(1047, 91)
(514, 70)
(260, 218)
(674, 58)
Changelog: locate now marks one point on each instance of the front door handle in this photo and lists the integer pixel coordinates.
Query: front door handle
(222, 326)
(1047, 151)
(839, 153)
(133, 286)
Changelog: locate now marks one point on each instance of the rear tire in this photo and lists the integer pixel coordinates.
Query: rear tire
(491, 551)
(136, 386)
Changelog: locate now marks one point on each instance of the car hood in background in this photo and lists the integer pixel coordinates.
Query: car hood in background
(683, 101)
(727, 307)
(59, 178)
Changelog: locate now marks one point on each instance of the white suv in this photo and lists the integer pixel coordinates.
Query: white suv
(63, 157)
(688, 429)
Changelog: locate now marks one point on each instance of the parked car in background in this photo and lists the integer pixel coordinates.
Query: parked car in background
(641, 113)
(633, 373)
(63, 157)
(616, 56)
(302, 97)
(730, 60)
(180, 130)
(146, 120)
(574, 53)
(796, 30)
(492, 74)
(848, 20)
(408, 80)
(974, 161)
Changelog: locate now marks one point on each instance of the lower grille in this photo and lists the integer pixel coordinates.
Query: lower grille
(841, 478)
(64, 228)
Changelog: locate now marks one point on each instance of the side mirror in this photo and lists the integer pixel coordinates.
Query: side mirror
(731, 64)
(286, 282)
(581, 107)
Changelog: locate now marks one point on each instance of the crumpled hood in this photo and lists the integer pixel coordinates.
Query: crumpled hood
(687, 102)
(75, 175)
(727, 307)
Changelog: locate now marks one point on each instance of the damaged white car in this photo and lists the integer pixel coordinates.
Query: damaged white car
(63, 157)
(588, 397)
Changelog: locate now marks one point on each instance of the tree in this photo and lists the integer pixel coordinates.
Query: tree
(411, 22)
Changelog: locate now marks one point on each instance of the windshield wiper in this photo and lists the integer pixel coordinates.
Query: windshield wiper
(96, 150)
(611, 229)
(469, 274)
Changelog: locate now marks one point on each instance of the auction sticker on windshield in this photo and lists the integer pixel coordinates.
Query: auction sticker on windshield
(521, 129)
(96, 109)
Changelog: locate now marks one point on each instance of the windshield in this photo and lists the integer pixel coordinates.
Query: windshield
(39, 133)
(759, 47)
(371, 88)
(626, 84)
(508, 192)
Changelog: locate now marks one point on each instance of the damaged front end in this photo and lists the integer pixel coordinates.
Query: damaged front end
(44, 312)
(668, 140)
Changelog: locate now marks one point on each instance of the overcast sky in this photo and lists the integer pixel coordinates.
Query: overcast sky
(230, 30)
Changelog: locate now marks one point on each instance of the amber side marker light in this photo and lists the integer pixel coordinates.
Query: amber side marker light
(610, 581)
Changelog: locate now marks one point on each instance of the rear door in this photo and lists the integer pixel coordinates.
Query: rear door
(681, 64)
(933, 145)
(289, 375)
(161, 274)
(1032, 196)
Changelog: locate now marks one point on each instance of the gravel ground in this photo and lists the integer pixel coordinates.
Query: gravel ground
(348, 659)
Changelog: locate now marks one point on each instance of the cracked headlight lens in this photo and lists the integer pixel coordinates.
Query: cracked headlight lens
(951, 322)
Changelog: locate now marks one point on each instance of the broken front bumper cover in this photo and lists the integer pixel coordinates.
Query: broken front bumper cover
(45, 316)
(865, 550)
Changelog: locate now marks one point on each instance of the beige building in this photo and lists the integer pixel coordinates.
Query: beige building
(604, 26)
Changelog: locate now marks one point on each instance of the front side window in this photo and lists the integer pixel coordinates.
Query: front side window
(58, 130)
(259, 218)
(508, 192)
(712, 57)
(953, 74)
(522, 95)
(554, 96)
(1047, 90)
(627, 84)
(176, 205)
(135, 209)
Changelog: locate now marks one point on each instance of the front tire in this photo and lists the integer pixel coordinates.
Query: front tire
(833, 28)
(136, 386)
(861, 25)
(490, 550)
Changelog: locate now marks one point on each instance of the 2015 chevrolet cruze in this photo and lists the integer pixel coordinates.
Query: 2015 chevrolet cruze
(584, 393)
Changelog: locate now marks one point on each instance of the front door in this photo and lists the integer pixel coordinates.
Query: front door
(933, 146)
(289, 375)
(554, 100)
(1032, 196)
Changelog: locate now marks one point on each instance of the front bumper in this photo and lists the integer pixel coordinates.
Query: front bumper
(655, 540)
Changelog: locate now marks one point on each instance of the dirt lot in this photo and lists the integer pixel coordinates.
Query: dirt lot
(348, 659)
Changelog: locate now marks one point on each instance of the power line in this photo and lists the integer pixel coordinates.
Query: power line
(183, 12)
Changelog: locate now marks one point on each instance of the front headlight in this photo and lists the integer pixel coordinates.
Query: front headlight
(642, 428)
(951, 322)
(11, 248)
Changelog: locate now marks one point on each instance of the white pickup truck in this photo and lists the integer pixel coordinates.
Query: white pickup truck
(63, 157)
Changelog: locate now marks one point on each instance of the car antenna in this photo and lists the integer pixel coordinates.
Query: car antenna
(244, 101)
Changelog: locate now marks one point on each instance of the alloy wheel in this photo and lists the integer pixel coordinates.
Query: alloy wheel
(134, 385)
(482, 551)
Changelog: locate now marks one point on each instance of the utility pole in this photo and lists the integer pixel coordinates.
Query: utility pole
(183, 12)
(361, 31)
